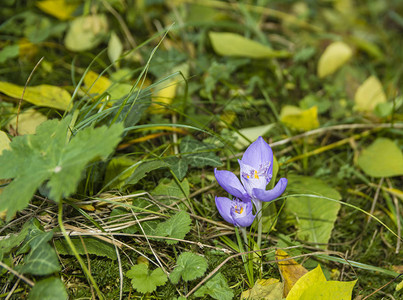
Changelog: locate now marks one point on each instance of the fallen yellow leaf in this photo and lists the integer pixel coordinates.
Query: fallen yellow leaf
(4, 141)
(329, 290)
(305, 282)
(26, 49)
(163, 98)
(233, 44)
(60, 9)
(299, 119)
(369, 95)
(290, 270)
(334, 56)
(28, 120)
(96, 84)
(41, 95)
(264, 289)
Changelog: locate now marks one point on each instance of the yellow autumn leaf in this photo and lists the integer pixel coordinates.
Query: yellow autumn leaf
(4, 141)
(369, 94)
(96, 84)
(329, 290)
(165, 91)
(396, 192)
(26, 49)
(233, 44)
(163, 98)
(299, 119)
(264, 289)
(4, 145)
(60, 9)
(41, 95)
(334, 56)
(290, 270)
(86, 32)
(304, 283)
(28, 120)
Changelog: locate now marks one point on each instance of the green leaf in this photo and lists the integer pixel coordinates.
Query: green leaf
(48, 289)
(118, 171)
(137, 103)
(13, 240)
(382, 158)
(217, 288)
(145, 281)
(369, 95)
(198, 154)
(189, 266)
(334, 56)
(92, 246)
(232, 44)
(42, 259)
(41, 95)
(176, 227)
(142, 169)
(47, 155)
(314, 217)
(252, 133)
(172, 189)
(179, 166)
(9, 52)
(86, 32)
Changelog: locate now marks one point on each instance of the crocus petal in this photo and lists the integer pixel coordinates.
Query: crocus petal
(272, 194)
(254, 181)
(231, 184)
(246, 217)
(243, 221)
(258, 153)
(224, 206)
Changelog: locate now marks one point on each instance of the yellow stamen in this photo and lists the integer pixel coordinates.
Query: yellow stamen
(238, 211)
(256, 176)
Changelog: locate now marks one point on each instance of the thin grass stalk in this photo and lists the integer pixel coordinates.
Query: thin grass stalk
(74, 250)
(249, 274)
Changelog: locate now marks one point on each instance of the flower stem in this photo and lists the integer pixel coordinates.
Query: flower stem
(245, 237)
(258, 205)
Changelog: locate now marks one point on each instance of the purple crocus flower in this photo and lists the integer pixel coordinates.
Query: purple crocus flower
(237, 212)
(256, 172)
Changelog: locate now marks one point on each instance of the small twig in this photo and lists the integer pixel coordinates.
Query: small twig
(122, 23)
(30, 282)
(375, 199)
(385, 285)
(120, 269)
(13, 289)
(23, 93)
(149, 244)
(323, 130)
